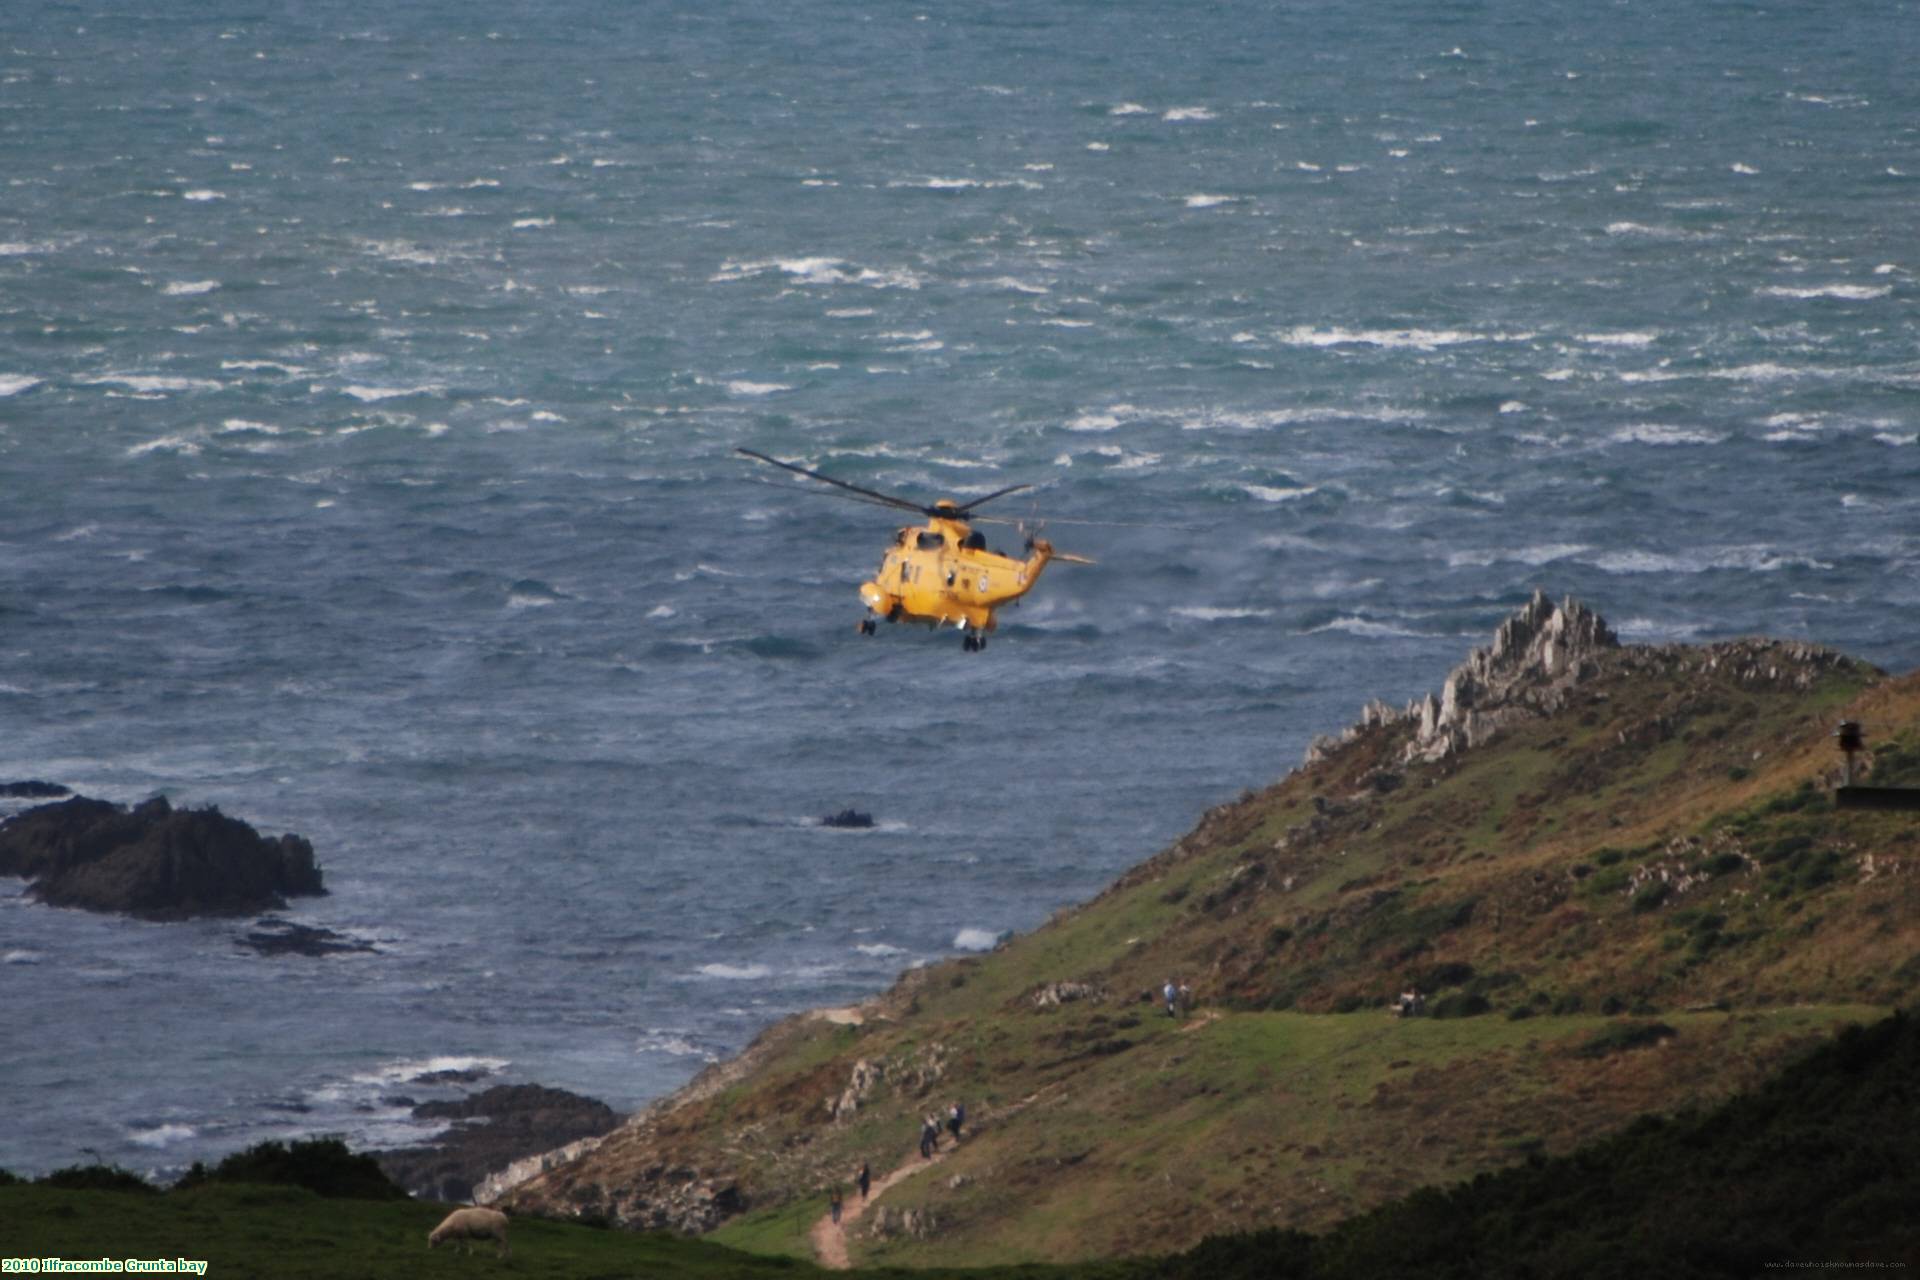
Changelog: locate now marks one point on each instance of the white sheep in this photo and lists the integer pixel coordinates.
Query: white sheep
(466, 1225)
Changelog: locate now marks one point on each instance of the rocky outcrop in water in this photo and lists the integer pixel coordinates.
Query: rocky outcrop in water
(848, 820)
(32, 789)
(153, 861)
(492, 1131)
(273, 936)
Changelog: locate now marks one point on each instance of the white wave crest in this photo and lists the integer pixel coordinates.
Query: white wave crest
(971, 939)
(1362, 627)
(736, 972)
(190, 288)
(1185, 114)
(1207, 202)
(371, 395)
(1208, 613)
(12, 384)
(1659, 434)
(1539, 555)
(1844, 292)
(153, 383)
(675, 1044)
(741, 387)
(1269, 493)
(1750, 559)
(1410, 339)
(817, 271)
(163, 1135)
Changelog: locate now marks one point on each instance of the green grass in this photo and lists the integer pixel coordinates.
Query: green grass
(288, 1233)
(778, 1232)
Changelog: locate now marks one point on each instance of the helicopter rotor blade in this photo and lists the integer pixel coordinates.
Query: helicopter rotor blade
(1072, 559)
(885, 499)
(967, 508)
(860, 498)
(1099, 524)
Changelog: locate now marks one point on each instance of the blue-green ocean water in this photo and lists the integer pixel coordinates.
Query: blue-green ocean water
(369, 375)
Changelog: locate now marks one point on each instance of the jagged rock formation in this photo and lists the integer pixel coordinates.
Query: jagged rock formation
(501, 1181)
(494, 1129)
(154, 861)
(1538, 654)
(861, 1082)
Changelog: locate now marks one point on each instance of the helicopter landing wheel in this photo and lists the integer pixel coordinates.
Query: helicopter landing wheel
(973, 643)
(867, 626)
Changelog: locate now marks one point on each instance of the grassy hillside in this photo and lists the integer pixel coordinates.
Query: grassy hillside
(1638, 901)
(1814, 1167)
(1815, 1170)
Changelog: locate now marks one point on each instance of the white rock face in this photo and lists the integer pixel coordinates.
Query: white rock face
(1537, 655)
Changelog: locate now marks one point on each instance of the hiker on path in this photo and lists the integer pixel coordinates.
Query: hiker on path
(866, 1179)
(929, 1136)
(1172, 993)
(834, 1204)
(956, 1116)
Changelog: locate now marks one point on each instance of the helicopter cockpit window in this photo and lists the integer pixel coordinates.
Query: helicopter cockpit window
(929, 540)
(903, 571)
(975, 541)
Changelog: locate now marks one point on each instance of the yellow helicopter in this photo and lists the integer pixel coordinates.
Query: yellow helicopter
(943, 574)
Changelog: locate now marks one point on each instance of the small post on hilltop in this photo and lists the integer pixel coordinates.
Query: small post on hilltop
(1848, 796)
(1849, 737)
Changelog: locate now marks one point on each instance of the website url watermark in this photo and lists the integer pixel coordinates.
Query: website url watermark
(1835, 1266)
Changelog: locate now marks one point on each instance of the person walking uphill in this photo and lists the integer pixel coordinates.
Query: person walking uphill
(1172, 992)
(929, 1136)
(833, 1203)
(956, 1116)
(866, 1179)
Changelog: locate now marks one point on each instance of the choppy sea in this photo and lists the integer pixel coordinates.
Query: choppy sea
(369, 375)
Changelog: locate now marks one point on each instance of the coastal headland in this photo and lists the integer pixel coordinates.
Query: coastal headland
(1613, 873)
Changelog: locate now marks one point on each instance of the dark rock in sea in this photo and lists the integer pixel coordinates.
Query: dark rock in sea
(273, 936)
(492, 1129)
(153, 861)
(32, 790)
(452, 1075)
(848, 820)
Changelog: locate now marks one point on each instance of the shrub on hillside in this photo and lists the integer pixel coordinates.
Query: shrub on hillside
(1619, 1037)
(1461, 1004)
(97, 1177)
(323, 1166)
